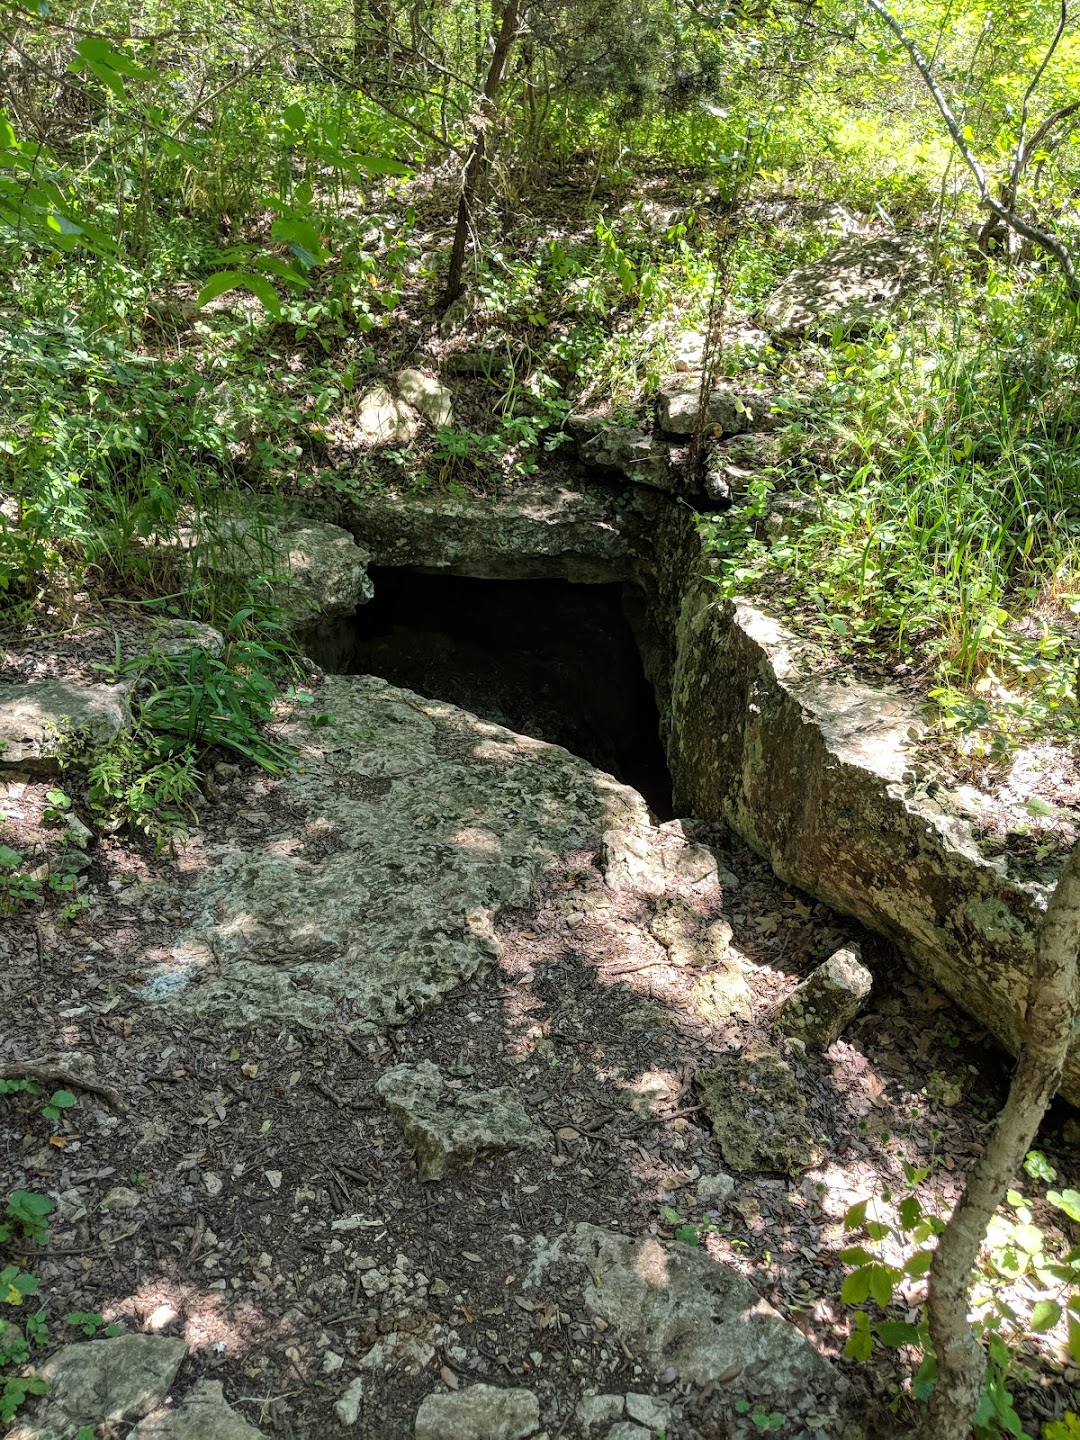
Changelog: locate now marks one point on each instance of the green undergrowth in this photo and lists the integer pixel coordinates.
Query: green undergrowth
(940, 465)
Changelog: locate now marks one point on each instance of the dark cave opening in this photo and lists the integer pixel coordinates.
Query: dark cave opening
(547, 658)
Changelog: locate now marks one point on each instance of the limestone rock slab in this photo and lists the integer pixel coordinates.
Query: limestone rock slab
(678, 1308)
(819, 1009)
(450, 1129)
(384, 419)
(627, 451)
(757, 1112)
(318, 567)
(658, 861)
(203, 1414)
(482, 1412)
(813, 772)
(729, 411)
(40, 719)
(103, 1382)
(849, 288)
(538, 532)
(373, 881)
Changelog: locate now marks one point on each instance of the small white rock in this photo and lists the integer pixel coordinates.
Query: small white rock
(332, 1361)
(121, 1198)
(347, 1409)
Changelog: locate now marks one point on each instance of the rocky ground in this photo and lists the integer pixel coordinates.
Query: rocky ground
(432, 1091)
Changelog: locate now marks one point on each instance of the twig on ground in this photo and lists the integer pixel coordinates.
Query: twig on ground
(50, 1073)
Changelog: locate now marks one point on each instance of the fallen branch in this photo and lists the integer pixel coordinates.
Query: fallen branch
(50, 1073)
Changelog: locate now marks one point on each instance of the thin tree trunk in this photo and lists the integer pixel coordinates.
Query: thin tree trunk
(478, 155)
(1005, 212)
(1052, 1011)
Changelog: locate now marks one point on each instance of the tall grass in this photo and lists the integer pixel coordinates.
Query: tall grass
(944, 457)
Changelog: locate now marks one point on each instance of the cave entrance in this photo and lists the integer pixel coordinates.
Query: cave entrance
(547, 658)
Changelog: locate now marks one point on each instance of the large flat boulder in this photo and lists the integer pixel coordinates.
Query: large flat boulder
(102, 1383)
(677, 1309)
(850, 288)
(373, 879)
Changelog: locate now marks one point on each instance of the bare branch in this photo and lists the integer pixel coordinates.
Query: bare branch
(1052, 244)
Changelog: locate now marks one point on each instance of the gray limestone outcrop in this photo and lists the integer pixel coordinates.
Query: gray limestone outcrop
(677, 1309)
(535, 532)
(481, 1412)
(102, 1382)
(373, 880)
(203, 1414)
(318, 568)
(849, 288)
(44, 719)
(757, 1112)
(450, 1128)
(814, 772)
(819, 1009)
(728, 411)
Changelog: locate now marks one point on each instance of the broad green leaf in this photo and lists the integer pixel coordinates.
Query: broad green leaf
(856, 1255)
(380, 165)
(63, 1099)
(882, 1282)
(1067, 1200)
(856, 1215)
(895, 1333)
(226, 280)
(1045, 1314)
(856, 1288)
(919, 1264)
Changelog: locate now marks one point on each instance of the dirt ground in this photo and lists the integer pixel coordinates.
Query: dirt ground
(250, 1192)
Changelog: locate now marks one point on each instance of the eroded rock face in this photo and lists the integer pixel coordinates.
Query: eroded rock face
(543, 532)
(482, 1412)
(426, 395)
(383, 418)
(44, 718)
(320, 569)
(809, 770)
(818, 1011)
(677, 1308)
(625, 450)
(757, 1112)
(849, 288)
(450, 1129)
(373, 877)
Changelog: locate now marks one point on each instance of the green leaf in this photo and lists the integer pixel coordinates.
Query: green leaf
(379, 165)
(226, 280)
(860, 1343)
(1067, 1200)
(918, 1264)
(895, 1333)
(910, 1212)
(856, 1288)
(856, 1255)
(688, 1235)
(63, 1099)
(882, 1282)
(856, 1215)
(1045, 1314)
